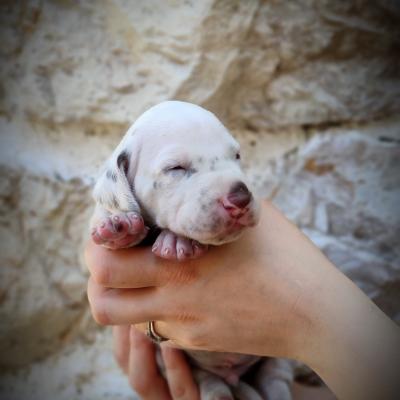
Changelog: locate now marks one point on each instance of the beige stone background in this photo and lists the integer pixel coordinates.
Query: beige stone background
(310, 88)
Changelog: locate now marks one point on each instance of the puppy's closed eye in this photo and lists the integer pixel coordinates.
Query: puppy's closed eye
(179, 170)
(176, 168)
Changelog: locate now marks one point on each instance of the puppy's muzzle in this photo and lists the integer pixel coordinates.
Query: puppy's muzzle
(237, 200)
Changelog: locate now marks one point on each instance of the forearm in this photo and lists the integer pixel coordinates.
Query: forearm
(355, 348)
(335, 328)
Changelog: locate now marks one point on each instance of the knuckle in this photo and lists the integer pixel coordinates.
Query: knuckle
(178, 391)
(180, 275)
(101, 272)
(141, 384)
(99, 311)
(194, 339)
(100, 316)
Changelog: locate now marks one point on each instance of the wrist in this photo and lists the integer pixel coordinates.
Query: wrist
(352, 345)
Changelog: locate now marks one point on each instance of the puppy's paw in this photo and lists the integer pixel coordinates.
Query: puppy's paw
(174, 247)
(119, 230)
(277, 389)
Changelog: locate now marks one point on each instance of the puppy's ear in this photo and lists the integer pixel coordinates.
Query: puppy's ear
(114, 189)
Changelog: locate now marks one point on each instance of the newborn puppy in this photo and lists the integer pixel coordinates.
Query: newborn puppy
(176, 176)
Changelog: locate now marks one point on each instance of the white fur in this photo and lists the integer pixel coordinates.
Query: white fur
(170, 134)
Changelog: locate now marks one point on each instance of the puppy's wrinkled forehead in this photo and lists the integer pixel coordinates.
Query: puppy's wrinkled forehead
(191, 132)
(192, 158)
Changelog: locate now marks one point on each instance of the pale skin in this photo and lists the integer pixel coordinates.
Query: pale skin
(270, 293)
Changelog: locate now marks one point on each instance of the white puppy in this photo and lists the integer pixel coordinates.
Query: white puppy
(176, 174)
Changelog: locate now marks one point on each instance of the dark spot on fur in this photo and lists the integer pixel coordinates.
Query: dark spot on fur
(115, 202)
(160, 185)
(204, 226)
(204, 207)
(200, 159)
(123, 162)
(214, 226)
(111, 175)
(190, 172)
(157, 185)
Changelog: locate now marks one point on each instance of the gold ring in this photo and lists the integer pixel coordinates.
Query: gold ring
(153, 335)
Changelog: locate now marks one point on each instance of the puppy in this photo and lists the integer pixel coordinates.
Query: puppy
(176, 177)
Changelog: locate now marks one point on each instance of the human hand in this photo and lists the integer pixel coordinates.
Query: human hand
(270, 293)
(136, 355)
(249, 296)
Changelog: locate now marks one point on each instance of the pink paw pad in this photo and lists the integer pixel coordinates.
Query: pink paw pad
(174, 247)
(120, 230)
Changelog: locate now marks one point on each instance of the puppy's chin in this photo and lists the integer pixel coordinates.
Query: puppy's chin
(224, 238)
(225, 234)
(217, 226)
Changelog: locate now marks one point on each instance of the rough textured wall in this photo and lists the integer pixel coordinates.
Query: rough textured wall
(310, 88)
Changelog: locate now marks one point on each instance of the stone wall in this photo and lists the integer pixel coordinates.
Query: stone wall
(310, 88)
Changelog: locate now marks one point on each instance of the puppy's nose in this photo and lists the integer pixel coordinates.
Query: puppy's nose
(239, 196)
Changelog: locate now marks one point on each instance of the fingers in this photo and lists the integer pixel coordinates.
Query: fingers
(121, 346)
(124, 306)
(179, 375)
(117, 268)
(131, 268)
(144, 375)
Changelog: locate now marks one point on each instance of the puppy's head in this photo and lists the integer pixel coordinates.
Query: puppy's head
(187, 175)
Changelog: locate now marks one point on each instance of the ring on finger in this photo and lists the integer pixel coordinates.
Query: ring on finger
(153, 335)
